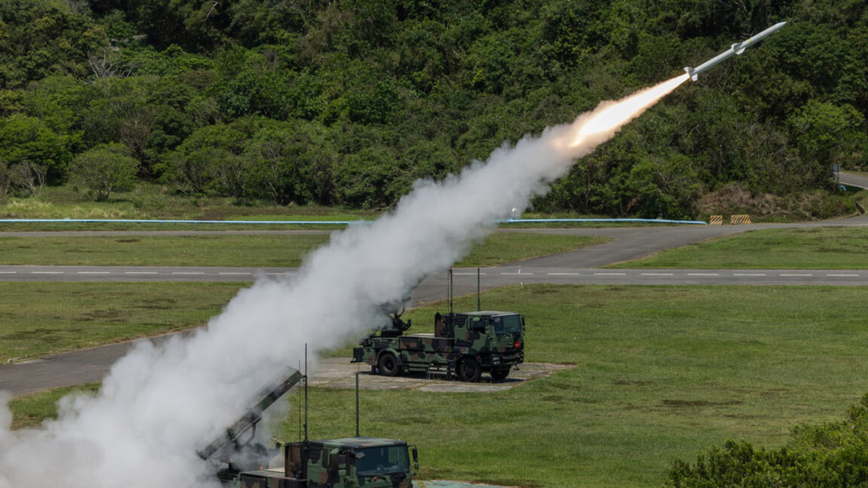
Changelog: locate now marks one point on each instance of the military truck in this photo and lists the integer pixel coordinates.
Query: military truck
(338, 463)
(355, 462)
(463, 345)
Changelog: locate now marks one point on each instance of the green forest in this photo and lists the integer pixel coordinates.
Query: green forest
(348, 102)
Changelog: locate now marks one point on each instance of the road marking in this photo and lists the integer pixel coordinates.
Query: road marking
(796, 274)
(610, 274)
(529, 274)
(46, 272)
(563, 274)
(245, 274)
(467, 274)
(841, 274)
(140, 272)
(187, 273)
(703, 274)
(95, 272)
(8, 272)
(657, 274)
(748, 274)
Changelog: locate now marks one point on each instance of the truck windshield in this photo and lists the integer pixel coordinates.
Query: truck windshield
(506, 324)
(382, 460)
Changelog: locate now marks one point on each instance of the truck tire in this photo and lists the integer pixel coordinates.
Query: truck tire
(499, 374)
(389, 364)
(469, 370)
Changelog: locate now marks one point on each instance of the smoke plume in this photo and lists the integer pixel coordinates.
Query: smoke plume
(159, 403)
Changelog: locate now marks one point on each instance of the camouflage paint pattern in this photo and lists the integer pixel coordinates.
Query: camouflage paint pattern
(334, 464)
(481, 336)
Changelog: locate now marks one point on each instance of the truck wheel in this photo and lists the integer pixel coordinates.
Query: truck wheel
(389, 364)
(469, 370)
(499, 374)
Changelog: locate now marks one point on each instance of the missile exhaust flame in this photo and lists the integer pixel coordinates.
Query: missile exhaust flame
(160, 402)
(611, 116)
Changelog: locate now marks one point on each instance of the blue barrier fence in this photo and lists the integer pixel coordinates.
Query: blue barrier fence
(327, 222)
(613, 221)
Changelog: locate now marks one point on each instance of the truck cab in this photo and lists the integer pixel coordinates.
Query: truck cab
(355, 462)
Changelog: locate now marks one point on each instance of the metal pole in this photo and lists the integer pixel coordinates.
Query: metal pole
(478, 291)
(450, 291)
(305, 393)
(298, 406)
(357, 404)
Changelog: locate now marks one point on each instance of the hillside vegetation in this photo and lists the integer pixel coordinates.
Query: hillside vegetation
(347, 102)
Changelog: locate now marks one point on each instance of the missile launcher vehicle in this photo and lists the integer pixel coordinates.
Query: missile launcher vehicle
(354, 462)
(463, 345)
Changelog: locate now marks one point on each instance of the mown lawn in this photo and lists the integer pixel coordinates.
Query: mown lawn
(811, 248)
(244, 250)
(661, 373)
(37, 319)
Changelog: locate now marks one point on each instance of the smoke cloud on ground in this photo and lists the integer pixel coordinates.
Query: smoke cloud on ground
(158, 404)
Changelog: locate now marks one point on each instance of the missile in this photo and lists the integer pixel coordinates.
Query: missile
(736, 48)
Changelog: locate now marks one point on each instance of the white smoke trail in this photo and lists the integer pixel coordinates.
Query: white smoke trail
(159, 403)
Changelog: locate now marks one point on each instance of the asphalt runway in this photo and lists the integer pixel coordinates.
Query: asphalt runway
(584, 266)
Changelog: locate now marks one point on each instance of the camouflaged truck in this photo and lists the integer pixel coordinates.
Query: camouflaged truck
(463, 345)
(336, 463)
(358, 462)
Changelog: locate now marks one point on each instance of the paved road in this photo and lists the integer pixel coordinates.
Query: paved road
(577, 267)
(854, 180)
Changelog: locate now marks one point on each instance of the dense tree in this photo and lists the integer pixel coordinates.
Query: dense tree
(104, 169)
(831, 454)
(24, 138)
(292, 163)
(349, 101)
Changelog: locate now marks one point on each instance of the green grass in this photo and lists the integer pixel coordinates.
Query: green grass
(156, 202)
(812, 248)
(137, 250)
(151, 201)
(661, 373)
(44, 318)
(31, 410)
(507, 247)
(258, 250)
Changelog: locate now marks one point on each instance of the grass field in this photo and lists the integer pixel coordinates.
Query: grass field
(812, 248)
(156, 202)
(256, 250)
(31, 410)
(661, 373)
(41, 318)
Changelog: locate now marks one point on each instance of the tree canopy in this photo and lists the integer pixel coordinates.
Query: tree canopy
(347, 102)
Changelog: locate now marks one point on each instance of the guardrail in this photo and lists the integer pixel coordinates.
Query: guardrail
(326, 222)
(629, 221)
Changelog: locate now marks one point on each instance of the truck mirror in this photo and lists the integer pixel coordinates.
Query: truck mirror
(415, 460)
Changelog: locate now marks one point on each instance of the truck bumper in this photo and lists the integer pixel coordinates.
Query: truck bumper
(501, 360)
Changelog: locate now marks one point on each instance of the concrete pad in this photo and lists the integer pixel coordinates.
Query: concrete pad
(340, 373)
